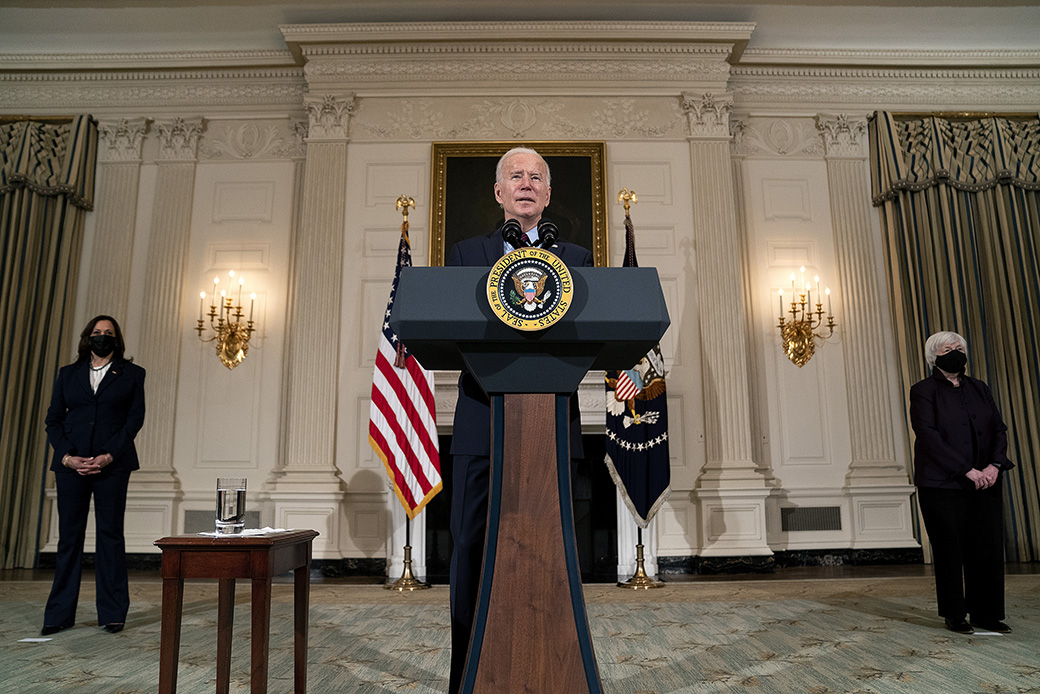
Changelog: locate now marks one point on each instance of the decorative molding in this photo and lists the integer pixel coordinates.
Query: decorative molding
(137, 61)
(889, 57)
(780, 137)
(843, 135)
(117, 92)
(707, 115)
(179, 138)
(252, 140)
(122, 139)
(516, 119)
(738, 131)
(554, 41)
(329, 116)
(530, 71)
(872, 88)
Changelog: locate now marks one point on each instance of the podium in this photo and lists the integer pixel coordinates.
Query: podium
(531, 629)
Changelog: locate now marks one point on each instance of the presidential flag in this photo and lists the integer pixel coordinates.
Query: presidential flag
(637, 424)
(402, 425)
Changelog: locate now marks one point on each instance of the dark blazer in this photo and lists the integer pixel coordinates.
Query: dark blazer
(80, 422)
(471, 432)
(943, 419)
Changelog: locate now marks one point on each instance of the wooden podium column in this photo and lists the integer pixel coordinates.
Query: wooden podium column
(531, 631)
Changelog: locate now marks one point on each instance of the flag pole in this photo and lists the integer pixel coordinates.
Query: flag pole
(640, 580)
(407, 581)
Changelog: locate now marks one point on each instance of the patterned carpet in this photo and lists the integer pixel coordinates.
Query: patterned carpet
(813, 636)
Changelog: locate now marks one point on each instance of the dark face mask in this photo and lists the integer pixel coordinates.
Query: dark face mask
(952, 362)
(102, 345)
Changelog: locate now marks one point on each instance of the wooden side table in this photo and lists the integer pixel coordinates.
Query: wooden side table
(256, 557)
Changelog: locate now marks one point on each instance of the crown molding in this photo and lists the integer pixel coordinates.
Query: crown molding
(889, 58)
(127, 92)
(80, 62)
(868, 89)
(305, 38)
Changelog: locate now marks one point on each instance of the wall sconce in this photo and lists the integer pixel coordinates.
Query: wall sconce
(799, 333)
(231, 336)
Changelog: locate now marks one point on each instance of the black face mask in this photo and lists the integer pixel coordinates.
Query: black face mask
(102, 345)
(952, 362)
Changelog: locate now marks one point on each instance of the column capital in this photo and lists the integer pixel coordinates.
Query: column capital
(179, 138)
(842, 135)
(329, 115)
(122, 139)
(707, 115)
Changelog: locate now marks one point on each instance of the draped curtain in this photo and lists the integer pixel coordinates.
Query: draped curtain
(46, 188)
(959, 200)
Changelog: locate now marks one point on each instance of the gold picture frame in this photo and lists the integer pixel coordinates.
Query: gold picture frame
(463, 200)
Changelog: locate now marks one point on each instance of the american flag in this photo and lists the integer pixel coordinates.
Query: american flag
(402, 426)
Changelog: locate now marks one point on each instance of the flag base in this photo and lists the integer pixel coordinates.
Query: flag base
(640, 580)
(407, 580)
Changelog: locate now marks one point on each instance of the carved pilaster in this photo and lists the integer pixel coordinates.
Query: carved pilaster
(179, 139)
(121, 139)
(870, 411)
(707, 115)
(329, 116)
(161, 325)
(731, 492)
(309, 462)
(842, 136)
(877, 480)
(119, 169)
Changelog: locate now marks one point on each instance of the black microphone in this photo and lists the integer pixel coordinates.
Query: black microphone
(547, 233)
(511, 232)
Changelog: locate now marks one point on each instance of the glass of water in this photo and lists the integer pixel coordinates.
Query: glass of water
(231, 505)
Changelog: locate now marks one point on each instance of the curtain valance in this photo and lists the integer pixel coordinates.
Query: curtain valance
(50, 159)
(917, 153)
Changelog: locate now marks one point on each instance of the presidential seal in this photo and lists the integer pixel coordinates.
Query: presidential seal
(530, 289)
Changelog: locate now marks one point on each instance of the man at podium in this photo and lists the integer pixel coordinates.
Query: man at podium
(522, 188)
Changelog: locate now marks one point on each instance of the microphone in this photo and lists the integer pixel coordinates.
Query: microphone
(511, 232)
(547, 233)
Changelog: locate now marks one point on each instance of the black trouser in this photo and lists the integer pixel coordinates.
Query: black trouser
(966, 529)
(110, 577)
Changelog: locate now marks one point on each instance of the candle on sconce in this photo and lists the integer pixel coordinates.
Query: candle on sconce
(808, 294)
(792, 287)
(827, 291)
(252, 300)
(802, 270)
(202, 300)
(816, 279)
(241, 281)
(781, 302)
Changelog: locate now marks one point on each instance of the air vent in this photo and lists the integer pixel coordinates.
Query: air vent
(795, 519)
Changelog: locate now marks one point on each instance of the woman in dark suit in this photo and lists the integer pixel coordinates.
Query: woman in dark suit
(960, 451)
(96, 410)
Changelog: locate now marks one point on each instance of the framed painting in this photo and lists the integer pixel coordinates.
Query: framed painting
(463, 202)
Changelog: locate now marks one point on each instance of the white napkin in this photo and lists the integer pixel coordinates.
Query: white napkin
(249, 532)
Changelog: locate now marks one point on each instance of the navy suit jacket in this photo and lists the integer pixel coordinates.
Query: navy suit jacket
(471, 431)
(943, 420)
(80, 422)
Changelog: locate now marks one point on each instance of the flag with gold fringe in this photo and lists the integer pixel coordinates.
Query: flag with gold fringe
(637, 424)
(402, 427)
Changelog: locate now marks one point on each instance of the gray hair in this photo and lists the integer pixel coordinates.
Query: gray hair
(933, 343)
(521, 150)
